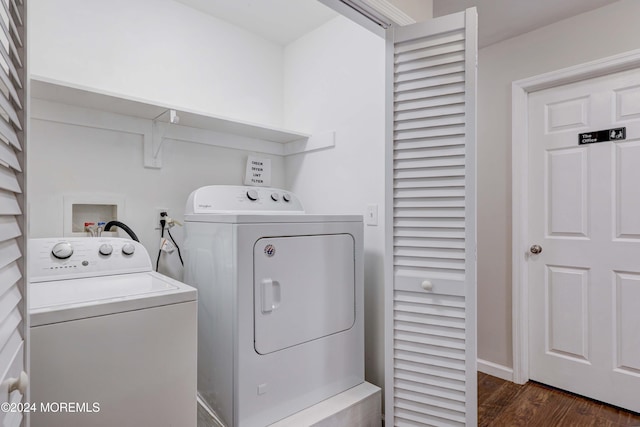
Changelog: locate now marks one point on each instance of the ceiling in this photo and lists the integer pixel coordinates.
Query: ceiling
(502, 19)
(280, 21)
(283, 21)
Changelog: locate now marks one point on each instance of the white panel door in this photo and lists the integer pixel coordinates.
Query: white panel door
(584, 287)
(431, 212)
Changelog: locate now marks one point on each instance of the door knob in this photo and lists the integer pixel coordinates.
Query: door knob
(535, 249)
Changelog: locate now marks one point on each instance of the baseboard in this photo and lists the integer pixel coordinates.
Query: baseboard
(495, 370)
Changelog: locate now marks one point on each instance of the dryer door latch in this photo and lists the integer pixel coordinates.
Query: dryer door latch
(270, 295)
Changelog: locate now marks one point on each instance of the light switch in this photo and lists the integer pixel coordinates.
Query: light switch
(371, 217)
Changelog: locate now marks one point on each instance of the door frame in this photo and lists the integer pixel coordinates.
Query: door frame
(520, 91)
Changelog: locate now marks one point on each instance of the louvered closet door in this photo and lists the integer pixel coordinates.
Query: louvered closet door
(13, 313)
(431, 331)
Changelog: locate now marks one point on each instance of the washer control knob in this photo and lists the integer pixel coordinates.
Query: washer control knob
(105, 249)
(252, 195)
(286, 197)
(275, 197)
(128, 249)
(62, 250)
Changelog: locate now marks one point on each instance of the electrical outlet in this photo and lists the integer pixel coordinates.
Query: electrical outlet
(158, 217)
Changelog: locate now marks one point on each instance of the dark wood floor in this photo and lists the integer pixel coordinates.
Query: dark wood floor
(502, 403)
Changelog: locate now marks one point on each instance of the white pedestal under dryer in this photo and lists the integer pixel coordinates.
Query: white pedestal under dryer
(280, 315)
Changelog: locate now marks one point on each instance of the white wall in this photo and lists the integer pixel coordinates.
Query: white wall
(158, 50)
(334, 81)
(597, 34)
(161, 51)
(68, 160)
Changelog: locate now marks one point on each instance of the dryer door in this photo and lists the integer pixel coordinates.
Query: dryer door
(304, 289)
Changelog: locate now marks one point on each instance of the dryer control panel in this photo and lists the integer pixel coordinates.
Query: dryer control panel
(69, 258)
(215, 199)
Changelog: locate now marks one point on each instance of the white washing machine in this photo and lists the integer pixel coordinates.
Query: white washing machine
(280, 318)
(112, 341)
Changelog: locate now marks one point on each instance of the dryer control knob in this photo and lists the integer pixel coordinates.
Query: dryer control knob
(275, 197)
(128, 249)
(105, 249)
(252, 195)
(62, 250)
(286, 197)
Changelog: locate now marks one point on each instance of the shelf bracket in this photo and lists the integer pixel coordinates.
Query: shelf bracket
(153, 145)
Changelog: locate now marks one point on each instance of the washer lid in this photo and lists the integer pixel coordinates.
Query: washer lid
(64, 300)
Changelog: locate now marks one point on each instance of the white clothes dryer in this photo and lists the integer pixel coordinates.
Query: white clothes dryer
(113, 343)
(280, 317)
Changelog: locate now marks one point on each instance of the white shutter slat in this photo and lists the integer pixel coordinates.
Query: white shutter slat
(8, 302)
(9, 252)
(12, 68)
(456, 333)
(440, 101)
(429, 233)
(427, 152)
(436, 162)
(429, 222)
(8, 157)
(435, 381)
(8, 133)
(8, 203)
(429, 212)
(429, 92)
(432, 206)
(8, 86)
(434, 72)
(4, 26)
(425, 319)
(446, 385)
(435, 263)
(415, 55)
(12, 24)
(13, 344)
(429, 132)
(10, 111)
(8, 180)
(428, 192)
(444, 79)
(441, 402)
(429, 171)
(424, 64)
(9, 275)
(450, 37)
(445, 110)
(430, 122)
(417, 242)
(445, 141)
(9, 228)
(14, 7)
(9, 325)
(427, 252)
(419, 410)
